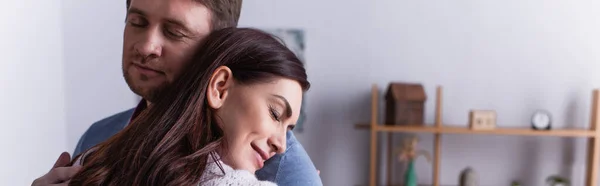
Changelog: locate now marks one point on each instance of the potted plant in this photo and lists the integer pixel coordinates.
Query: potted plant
(409, 153)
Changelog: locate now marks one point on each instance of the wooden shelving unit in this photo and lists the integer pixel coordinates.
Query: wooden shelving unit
(438, 129)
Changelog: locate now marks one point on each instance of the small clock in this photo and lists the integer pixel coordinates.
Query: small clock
(541, 120)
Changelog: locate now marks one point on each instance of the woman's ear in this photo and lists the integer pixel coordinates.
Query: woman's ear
(219, 86)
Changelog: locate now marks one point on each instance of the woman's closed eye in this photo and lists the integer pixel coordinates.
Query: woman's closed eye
(276, 115)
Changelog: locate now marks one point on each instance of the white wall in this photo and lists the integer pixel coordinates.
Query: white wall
(93, 48)
(31, 90)
(512, 56)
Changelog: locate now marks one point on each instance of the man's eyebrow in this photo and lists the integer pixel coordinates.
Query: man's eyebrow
(288, 109)
(133, 10)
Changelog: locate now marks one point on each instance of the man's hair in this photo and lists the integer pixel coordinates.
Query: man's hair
(223, 13)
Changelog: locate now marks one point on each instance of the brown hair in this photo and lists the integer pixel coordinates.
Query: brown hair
(170, 142)
(224, 13)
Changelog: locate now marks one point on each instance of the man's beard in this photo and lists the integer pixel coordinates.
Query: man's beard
(150, 95)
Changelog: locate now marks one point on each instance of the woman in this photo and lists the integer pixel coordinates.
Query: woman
(216, 125)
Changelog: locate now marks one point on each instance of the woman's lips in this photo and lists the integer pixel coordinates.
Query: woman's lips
(259, 161)
(260, 155)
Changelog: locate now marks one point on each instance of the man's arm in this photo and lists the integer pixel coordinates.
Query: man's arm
(293, 168)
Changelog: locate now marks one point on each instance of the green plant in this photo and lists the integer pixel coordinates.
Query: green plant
(557, 180)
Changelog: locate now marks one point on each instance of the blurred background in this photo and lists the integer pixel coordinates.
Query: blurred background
(61, 71)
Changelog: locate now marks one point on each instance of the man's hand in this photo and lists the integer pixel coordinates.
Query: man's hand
(59, 175)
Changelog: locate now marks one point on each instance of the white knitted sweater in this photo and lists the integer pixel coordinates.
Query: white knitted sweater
(214, 176)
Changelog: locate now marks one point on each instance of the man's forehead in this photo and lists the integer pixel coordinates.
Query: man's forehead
(188, 12)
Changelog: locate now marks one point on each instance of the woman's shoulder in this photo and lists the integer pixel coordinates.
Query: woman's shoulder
(214, 175)
(236, 178)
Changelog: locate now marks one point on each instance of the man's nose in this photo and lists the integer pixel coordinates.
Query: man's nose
(150, 46)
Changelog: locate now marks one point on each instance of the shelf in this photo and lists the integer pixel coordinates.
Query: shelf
(390, 128)
(376, 127)
(498, 131)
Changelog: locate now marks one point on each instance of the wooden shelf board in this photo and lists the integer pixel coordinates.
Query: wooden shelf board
(390, 128)
(497, 131)
(521, 132)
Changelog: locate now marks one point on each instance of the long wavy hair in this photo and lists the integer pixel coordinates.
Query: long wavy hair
(170, 142)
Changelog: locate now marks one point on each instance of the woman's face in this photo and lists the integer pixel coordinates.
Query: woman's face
(255, 119)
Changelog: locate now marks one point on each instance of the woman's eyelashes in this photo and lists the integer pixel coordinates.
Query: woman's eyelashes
(276, 115)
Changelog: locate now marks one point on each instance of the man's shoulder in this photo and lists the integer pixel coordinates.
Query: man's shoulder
(103, 129)
(118, 120)
(294, 167)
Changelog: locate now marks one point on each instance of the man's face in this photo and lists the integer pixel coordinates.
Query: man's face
(159, 39)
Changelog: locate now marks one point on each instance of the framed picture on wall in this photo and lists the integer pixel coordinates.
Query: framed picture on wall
(294, 39)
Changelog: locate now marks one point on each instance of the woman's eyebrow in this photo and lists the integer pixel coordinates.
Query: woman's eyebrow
(288, 109)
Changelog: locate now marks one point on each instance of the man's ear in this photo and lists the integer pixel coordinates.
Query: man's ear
(219, 86)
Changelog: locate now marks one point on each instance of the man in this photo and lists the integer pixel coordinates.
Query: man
(159, 38)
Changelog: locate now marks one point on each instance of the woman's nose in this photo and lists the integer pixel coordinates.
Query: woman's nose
(277, 144)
